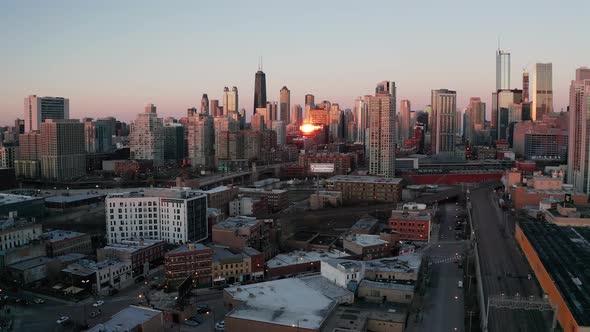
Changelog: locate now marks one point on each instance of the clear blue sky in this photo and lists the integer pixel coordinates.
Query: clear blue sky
(113, 57)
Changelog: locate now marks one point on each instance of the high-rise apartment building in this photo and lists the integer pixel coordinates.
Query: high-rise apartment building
(404, 114)
(201, 140)
(204, 104)
(38, 109)
(214, 110)
(279, 127)
(259, 90)
(226, 138)
(502, 70)
(284, 105)
(62, 152)
(578, 163)
(28, 165)
(8, 155)
(230, 101)
(252, 144)
(146, 140)
(542, 90)
(382, 136)
(361, 117)
(176, 215)
(173, 142)
(444, 124)
(296, 115)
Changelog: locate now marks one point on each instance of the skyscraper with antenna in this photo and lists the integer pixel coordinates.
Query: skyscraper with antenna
(259, 88)
(502, 69)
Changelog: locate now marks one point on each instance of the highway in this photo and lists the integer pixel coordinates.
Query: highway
(504, 269)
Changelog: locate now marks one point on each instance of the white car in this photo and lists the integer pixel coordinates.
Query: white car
(98, 303)
(63, 319)
(220, 326)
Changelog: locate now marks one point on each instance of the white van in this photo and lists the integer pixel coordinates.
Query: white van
(460, 284)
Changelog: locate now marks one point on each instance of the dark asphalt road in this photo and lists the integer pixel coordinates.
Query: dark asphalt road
(504, 269)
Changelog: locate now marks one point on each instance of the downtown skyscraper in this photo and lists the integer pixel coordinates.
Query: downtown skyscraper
(284, 105)
(404, 117)
(444, 122)
(259, 90)
(502, 70)
(578, 163)
(542, 90)
(382, 135)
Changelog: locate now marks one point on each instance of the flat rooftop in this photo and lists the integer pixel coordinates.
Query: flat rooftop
(263, 190)
(59, 235)
(30, 263)
(299, 257)
(216, 190)
(365, 240)
(564, 251)
(355, 317)
(6, 199)
(127, 319)
(326, 287)
(365, 223)
(86, 267)
(72, 198)
(236, 222)
(185, 248)
(364, 178)
(176, 192)
(408, 263)
(132, 245)
(405, 285)
(288, 302)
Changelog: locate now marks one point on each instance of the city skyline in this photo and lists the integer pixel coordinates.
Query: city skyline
(118, 68)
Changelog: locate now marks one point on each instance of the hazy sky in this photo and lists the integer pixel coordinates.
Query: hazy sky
(113, 57)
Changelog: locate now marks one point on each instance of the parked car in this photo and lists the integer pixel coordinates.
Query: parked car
(460, 284)
(139, 279)
(39, 301)
(220, 326)
(98, 303)
(63, 319)
(94, 313)
(197, 319)
(191, 322)
(203, 309)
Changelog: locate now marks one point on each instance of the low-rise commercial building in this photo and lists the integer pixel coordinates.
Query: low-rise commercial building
(391, 291)
(412, 225)
(230, 266)
(101, 278)
(16, 233)
(133, 318)
(24, 206)
(288, 305)
(277, 199)
(545, 187)
(142, 254)
(363, 188)
(343, 162)
(367, 246)
(559, 257)
(299, 262)
(30, 270)
(365, 225)
(193, 260)
(60, 242)
(219, 197)
(240, 232)
(248, 206)
(565, 214)
(324, 199)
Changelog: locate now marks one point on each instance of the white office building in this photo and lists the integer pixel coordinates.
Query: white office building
(176, 215)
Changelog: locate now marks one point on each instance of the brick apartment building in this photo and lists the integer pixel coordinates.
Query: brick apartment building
(367, 246)
(190, 260)
(142, 254)
(362, 188)
(411, 225)
(240, 232)
(60, 242)
(343, 162)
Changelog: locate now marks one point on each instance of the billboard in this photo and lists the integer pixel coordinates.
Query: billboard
(321, 168)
